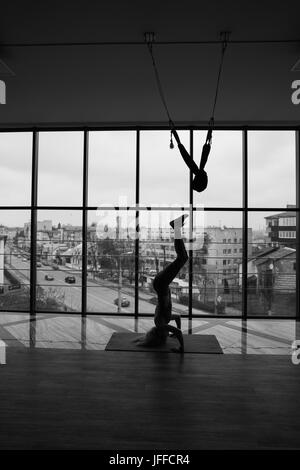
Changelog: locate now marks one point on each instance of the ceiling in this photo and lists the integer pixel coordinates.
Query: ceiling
(115, 85)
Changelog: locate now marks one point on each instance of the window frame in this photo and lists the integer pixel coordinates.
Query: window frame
(84, 208)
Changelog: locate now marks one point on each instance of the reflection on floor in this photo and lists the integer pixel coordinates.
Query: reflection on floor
(57, 331)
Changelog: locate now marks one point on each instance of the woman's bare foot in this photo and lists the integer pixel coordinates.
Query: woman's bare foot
(178, 222)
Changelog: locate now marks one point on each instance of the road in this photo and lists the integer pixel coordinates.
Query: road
(100, 294)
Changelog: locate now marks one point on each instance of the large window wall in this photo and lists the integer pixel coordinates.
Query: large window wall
(84, 222)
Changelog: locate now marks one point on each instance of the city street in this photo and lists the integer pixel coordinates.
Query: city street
(101, 293)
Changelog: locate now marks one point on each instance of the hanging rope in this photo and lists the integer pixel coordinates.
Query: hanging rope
(149, 39)
(224, 38)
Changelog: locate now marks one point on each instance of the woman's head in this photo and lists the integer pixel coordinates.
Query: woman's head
(155, 337)
(200, 181)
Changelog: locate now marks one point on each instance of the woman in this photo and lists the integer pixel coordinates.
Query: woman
(200, 180)
(158, 335)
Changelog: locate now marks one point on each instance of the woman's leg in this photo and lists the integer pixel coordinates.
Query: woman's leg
(164, 278)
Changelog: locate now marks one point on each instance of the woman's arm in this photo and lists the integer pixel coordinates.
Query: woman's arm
(178, 335)
(177, 318)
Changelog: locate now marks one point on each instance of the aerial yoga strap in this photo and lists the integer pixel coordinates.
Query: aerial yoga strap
(207, 145)
(149, 39)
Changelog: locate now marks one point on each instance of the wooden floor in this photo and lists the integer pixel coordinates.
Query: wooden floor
(58, 331)
(90, 399)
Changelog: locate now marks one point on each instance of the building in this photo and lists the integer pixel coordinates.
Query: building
(43, 226)
(282, 263)
(271, 281)
(220, 255)
(281, 227)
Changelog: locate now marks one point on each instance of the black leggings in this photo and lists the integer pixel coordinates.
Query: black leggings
(164, 278)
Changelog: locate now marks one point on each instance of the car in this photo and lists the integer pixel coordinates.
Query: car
(19, 256)
(48, 277)
(70, 279)
(24, 259)
(152, 272)
(38, 264)
(124, 302)
(55, 267)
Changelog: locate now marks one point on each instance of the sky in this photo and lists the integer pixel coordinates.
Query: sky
(163, 174)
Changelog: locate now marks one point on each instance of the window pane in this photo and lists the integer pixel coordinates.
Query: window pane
(14, 260)
(272, 265)
(272, 172)
(15, 168)
(112, 157)
(111, 262)
(60, 168)
(224, 169)
(157, 251)
(59, 260)
(217, 263)
(164, 177)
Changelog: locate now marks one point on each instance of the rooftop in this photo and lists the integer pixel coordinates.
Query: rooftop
(284, 214)
(278, 254)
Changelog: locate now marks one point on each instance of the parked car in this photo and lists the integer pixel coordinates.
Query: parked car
(38, 264)
(55, 267)
(24, 259)
(70, 279)
(48, 277)
(124, 302)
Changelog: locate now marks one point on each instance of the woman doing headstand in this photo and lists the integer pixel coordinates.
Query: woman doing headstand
(158, 335)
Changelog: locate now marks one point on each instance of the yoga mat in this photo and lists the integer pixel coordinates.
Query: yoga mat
(196, 344)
